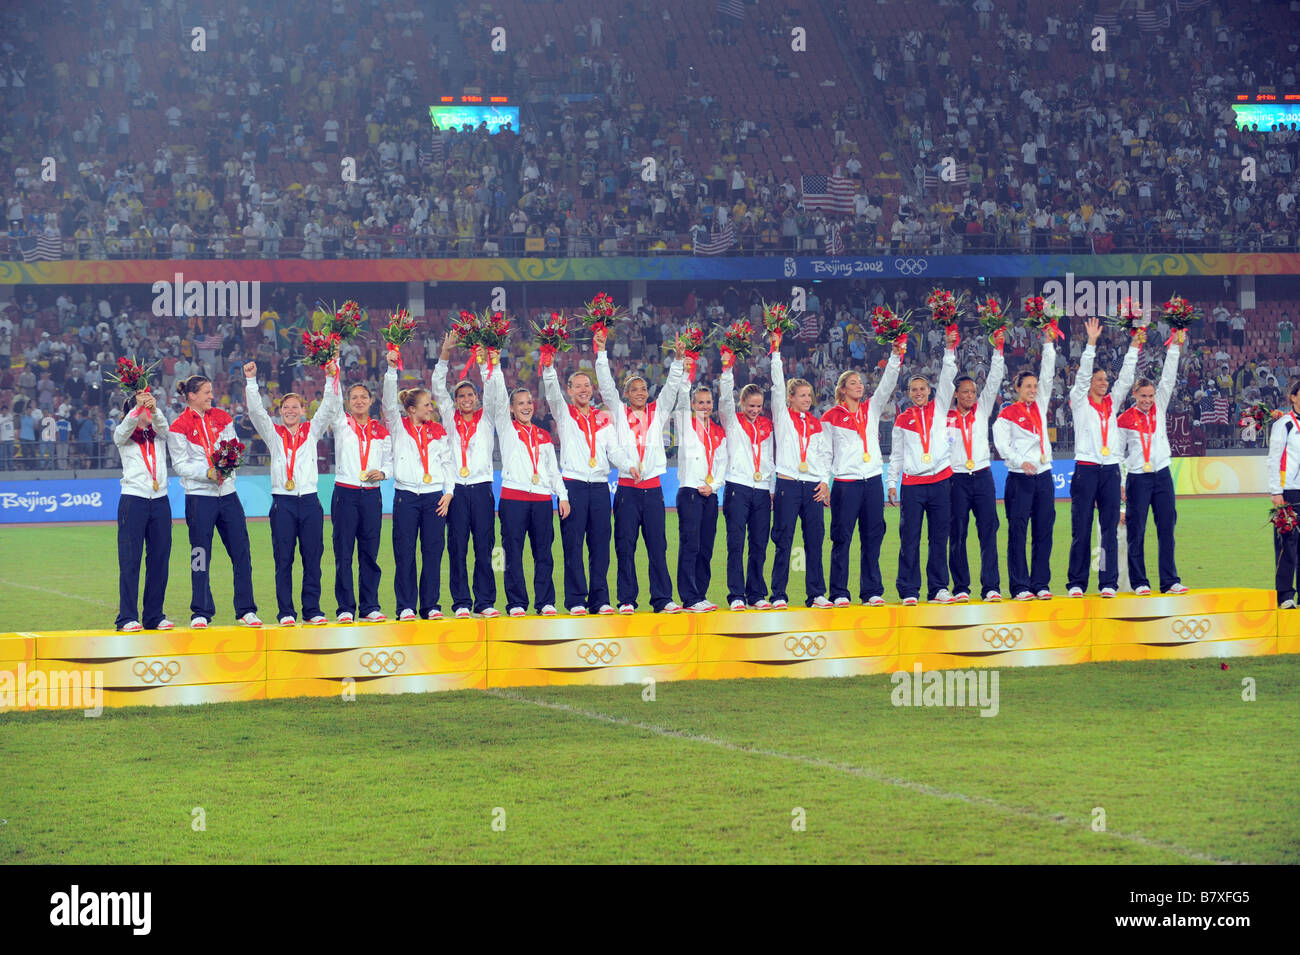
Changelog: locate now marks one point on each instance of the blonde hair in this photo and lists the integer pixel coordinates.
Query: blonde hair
(793, 385)
(296, 397)
(572, 375)
(748, 390)
(409, 397)
(843, 382)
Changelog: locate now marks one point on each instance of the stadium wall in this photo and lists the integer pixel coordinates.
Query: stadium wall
(56, 500)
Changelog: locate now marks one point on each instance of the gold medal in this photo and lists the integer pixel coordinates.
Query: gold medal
(866, 455)
(1147, 466)
(591, 463)
(758, 476)
(926, 457)
(970, 465)
(1105, 451)
(537, 478)
(708, 478)
(803, 466)
(1043, 459)
(155, 485)
(288, 485)
(464, 472)
(428, 479)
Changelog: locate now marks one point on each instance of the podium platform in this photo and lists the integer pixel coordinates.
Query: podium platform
(239, 663)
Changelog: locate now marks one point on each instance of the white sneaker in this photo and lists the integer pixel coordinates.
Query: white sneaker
(578, 611)
(462, 613)
(318, 620)
(605, 610)
(699, 606)
(842, 601)
(549, 611)
(489, 613)
(199, 623)
(738, 605)
(345, 617)
(779, 604)
(762, 604)
(1143, 591)
(821, 603)
(961, 598)
(993, 597)
(1074, 592)
(626, 609)
(672, 607)
(876, 601)
(517, 612)
(1025, 595)
(376, 616)
(288, 621)
(434, 614)
(407, 614)
(1045, 595)
(1108, 591)
(132, 626)
(165, 624)
(1177, 590)
(1287, 604)
(942, 597)
(251, 620)
(909, 601)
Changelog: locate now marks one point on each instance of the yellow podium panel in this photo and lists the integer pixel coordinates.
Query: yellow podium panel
(587, 652)
(1288, 625)
(376, 661)
(351, 636)
(164, 670)
(398, 683)
(187, 695)
(1229, 600)
(1186, 628)
(1258, 646)
(590, 627)
(1046, 657)
(1057, 630)
(17, 646)
(109, 644)
(799, 620)
(842, 666)
(806, 645)
(593, 676)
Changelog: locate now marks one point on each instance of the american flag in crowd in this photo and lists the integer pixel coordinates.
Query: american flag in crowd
(809, 326)
(1107, 20)
(831, 193)
(1215, 410)
(732, 8)
(717, 242)
(1187, 6)
(1150, 20)
(932, 180)
(834, 242)
(431, 149)
(42, 247)
(208, 343)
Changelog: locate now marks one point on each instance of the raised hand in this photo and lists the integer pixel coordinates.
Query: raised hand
(598, 339)
(1093, 327)
(250, 369)
(392, 359)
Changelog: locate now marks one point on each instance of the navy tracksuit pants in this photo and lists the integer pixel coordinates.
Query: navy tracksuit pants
(356, 517)
(142, 523)
(1094, 486)
(933, 502)
(1284, 554)
(536, 520)
(471, 515)
(794, 502)
(974, 493)
(1154, 492)
(641, 511)
(588, 520)
(297, 523)
(225, 514)
(860, 503)
(1030, 497)
(415, 517)
(747, 509)
(697, 522)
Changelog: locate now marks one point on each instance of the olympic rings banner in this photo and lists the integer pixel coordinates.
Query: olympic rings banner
(646, 268)
(95, 499)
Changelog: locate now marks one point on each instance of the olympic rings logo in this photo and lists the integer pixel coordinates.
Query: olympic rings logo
(599, 652)
(804, 645)
(911, 266)
(382, 661)
(1192, 629)
(1003, 638)
(156, 671)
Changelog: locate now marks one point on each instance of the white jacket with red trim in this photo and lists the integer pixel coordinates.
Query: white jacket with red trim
(407, 438)
(191, 450)
(848, 430)
(743, 437)
(1133, 424)
(1088, 440)
(654, 462)
(907, 453)
(575, 447)
(519, 445)
(976, 424)
(791, 429)
(1013, 432)
(477, 452)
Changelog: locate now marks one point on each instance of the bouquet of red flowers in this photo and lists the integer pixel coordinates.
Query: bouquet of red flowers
(131, 375)
(398, 332)
(552, 336)
(738, 339)
(943, 306)
(889, 328)
(777, 318)
(994, 319)
(599, 314)
(346, 320)
(1283, 518)
(1040, 315)
(1130, 319)
(228, 457)
(693, 341)
(1261, 414)
(1179, 313)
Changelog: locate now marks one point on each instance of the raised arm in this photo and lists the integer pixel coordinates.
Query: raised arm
(441, 396)
(1082, 381)
(1046, 378)
(993, 383)
(1168, 377)
(727, 398)
(947, 379)
(554, 393)
(388, 403)
(888, 382)
(608, 389)
(1127, 372)
(256, 410)
(495, 400)
(673, 391)
(330, 404)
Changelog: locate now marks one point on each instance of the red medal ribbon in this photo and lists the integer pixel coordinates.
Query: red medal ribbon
(1145, 434)
(590, 435)
(967, 433)
(363, 446)
(639, 430)
(291, 443)
(526, 433)
(466, 430)
(149, 451)
(754, 433)
(1031, 412)
(710, 447)
(1103, 412)
(423, 434)
(805, 439)
(859, 419)
(924, 426)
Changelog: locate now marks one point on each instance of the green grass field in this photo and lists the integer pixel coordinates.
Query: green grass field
(710, 771)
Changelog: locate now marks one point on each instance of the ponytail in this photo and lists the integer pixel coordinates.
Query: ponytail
(188, 386)
(408, 397)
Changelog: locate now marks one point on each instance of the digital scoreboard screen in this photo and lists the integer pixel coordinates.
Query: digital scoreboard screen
(457, 111)
(1266, 110)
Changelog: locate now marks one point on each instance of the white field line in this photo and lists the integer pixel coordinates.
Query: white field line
(56, 593)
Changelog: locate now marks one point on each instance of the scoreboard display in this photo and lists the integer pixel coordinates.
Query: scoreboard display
(1266, 110)
(456, 111)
